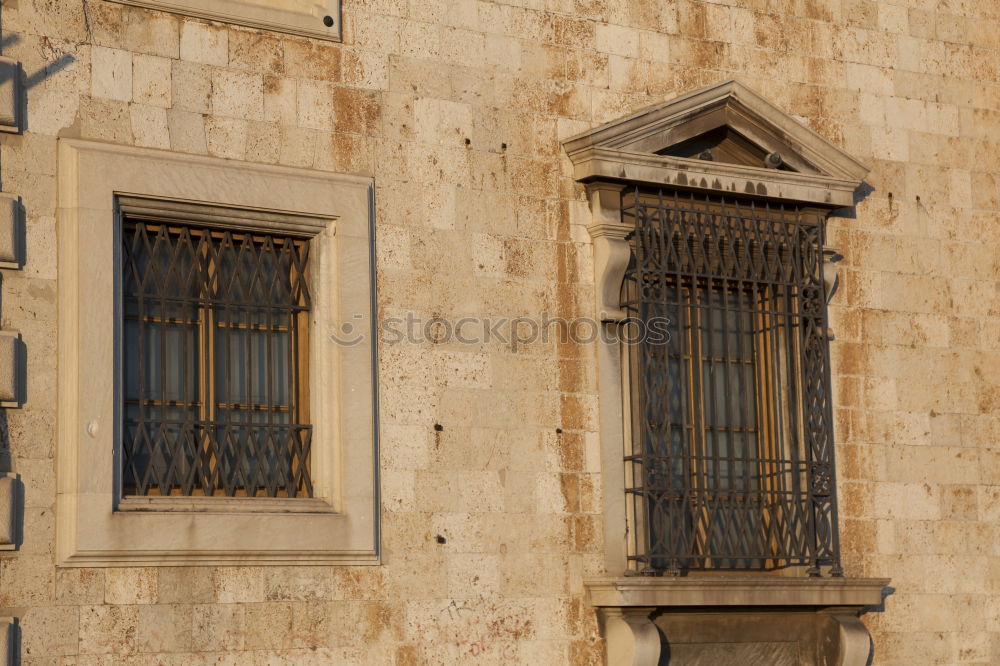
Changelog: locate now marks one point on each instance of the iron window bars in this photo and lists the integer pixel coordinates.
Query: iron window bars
(731, 457)
(214, 362)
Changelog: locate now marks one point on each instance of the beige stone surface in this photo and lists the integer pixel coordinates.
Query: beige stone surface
(497, 227)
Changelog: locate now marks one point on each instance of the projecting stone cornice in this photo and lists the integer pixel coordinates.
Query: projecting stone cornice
(610, 165)
(743, 129)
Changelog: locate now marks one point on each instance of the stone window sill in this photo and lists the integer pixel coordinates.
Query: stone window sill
(735, 619)
(735, 591)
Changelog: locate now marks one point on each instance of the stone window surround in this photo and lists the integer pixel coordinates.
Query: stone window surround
(94, 526)
(620, 154)
(253, 15)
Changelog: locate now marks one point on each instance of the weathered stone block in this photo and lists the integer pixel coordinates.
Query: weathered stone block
(111, 74)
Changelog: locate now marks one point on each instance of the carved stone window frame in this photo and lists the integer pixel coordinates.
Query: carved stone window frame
(628, 153)
(95, 526)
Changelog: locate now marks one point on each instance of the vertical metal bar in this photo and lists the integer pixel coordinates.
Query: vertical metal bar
(827, 387)
(722, 229)
(685, 523)
(642, 457)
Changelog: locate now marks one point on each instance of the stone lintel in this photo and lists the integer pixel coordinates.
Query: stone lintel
(720, 178)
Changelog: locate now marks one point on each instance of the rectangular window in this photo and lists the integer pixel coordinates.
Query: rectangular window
(730, 457)
(215, 326)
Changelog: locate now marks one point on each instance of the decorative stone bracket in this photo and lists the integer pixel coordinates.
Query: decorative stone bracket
(611, 249)
(635, 611)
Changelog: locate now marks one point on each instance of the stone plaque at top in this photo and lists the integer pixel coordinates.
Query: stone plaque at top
(310, 18)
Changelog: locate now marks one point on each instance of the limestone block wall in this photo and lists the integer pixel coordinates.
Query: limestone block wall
(489, 453)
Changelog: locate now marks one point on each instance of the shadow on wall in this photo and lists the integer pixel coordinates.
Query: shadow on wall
(863, 191)
(29, 81)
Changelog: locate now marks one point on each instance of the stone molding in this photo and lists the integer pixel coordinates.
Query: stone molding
(725, 590)
(626, 150)
(257, 15)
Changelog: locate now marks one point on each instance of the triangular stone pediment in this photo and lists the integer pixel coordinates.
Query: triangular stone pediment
(725, 138)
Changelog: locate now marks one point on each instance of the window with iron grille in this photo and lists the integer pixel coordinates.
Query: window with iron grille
(215, 342)
(730, 460)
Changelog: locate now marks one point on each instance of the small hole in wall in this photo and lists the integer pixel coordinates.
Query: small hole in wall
(328, 21)
(468, 142)
(558, 431)
(890, 195)
(438, 427)
(918, 197)
(440, 539)
(503, 146)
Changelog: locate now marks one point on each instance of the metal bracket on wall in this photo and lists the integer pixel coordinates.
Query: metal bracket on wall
(7, 641)
(9, 518)
(10, 95)
(11, 232)
(12, 369)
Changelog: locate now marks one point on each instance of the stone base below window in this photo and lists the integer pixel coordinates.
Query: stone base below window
(728, 620)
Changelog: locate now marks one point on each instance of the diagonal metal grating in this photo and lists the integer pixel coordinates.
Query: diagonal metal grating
(731, 461)
(214, 362)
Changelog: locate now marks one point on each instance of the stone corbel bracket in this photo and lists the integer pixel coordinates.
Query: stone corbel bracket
(12, 369)
(7, 641)
(11, 232)
(611, 248)
(831, 277)
(10, 95)
(8, 512)
(631, 638)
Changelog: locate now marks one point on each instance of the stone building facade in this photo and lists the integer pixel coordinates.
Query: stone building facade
(488, 482)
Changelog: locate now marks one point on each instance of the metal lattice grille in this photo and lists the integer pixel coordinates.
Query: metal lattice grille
(731, 460)
(214, 362)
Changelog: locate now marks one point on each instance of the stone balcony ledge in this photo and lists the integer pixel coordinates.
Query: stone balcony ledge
(734, 591)
(710, 619)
